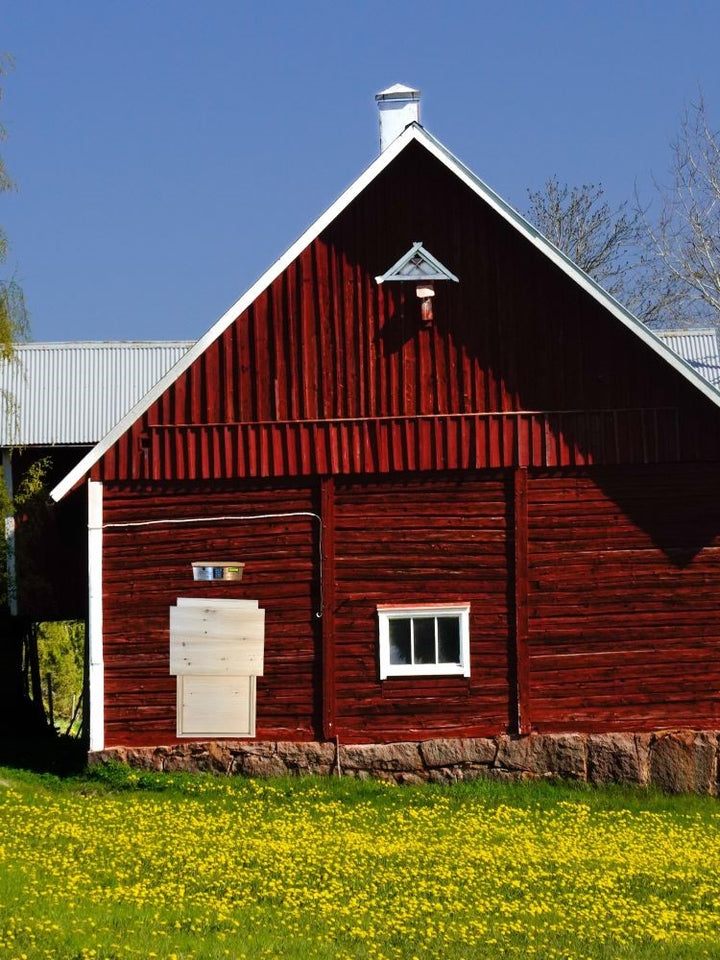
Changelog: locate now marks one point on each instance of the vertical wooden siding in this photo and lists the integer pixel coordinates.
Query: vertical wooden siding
(147, 568)
(326, 349)
(624, 599)
(433, 541)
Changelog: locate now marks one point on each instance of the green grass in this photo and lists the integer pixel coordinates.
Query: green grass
(119, 864)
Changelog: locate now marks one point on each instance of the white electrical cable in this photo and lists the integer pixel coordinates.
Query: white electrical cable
(253, 516)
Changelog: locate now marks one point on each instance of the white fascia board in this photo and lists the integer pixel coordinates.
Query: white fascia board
(96, 666)
(568, 267)
(375, 168)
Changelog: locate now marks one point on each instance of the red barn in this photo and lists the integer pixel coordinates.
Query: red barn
(434, 482)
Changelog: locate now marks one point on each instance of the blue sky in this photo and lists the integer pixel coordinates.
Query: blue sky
(166, 153)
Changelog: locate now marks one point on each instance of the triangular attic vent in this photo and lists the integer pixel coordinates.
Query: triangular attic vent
(417, 265)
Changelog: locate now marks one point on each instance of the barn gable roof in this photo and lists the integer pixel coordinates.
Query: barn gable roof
(414, 133)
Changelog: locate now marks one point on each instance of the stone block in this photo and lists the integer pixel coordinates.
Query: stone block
(544, 755)
(144, 758)
(684, 761)
(410, 779)
(618, 758)
(211, 757)
(179, 761)
(381, 756)
(317, 758)
(262, 748)
(513, 753)
(257, 765)
(565, 755)
(475, 772)
(452, 752)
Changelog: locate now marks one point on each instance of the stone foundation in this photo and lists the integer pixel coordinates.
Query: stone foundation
(680, 761)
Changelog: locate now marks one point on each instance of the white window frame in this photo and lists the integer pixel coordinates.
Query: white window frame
(387, 612)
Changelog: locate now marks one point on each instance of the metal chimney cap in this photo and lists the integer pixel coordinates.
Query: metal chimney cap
(398, 91)
(397, 107)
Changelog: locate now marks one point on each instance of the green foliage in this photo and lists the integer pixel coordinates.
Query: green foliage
(14, 325)
(29, 504)
(32, 485)
(61, 654)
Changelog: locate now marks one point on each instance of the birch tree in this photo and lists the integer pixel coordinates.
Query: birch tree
(682, 246)
(601, 239)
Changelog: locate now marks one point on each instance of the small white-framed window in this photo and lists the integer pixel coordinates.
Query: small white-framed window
(424, 640)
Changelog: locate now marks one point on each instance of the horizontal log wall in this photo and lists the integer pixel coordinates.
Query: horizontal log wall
(619, 613)
(147, 568)
(624, 599)
(432, 541)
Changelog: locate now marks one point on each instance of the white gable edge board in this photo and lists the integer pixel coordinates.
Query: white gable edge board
(414, 132)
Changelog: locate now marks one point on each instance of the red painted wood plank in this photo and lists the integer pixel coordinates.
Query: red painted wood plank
(520, 545)
(327, 513)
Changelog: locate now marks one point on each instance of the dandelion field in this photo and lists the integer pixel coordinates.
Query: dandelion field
(119, 865)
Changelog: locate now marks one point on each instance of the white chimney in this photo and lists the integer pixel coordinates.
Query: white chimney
(398, 105)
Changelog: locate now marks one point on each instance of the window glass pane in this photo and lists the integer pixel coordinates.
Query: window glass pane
(448, 639)
(399, 641)
(424, 630)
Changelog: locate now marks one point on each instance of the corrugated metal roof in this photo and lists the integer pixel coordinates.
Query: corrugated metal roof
(699, 348)
(73, 393)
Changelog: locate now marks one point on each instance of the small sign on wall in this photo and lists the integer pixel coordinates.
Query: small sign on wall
(207, 570)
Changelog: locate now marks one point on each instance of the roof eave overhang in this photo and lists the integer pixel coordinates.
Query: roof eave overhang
(413, 132)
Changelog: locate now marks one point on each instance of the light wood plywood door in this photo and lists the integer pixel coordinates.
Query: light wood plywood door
(216, 652)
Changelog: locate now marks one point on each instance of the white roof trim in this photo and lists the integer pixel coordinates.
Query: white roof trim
(412, 132)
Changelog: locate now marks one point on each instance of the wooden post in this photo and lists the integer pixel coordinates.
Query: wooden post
(327, 512)
(520, 539)
(10, 562)
(96, 667)
(51, 709)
